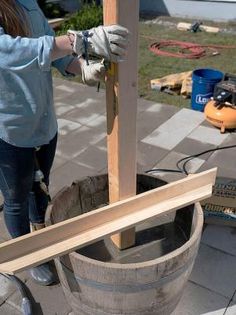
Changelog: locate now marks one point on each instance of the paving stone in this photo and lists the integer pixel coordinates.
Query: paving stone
(222, 171)
(220, 237)
(191, 147)
(75, 99)
(65, 88)
(174, 130)
(169, 162)
(7, 288)
(91, 100)
(102, 144)
(4, 233)
(103, 171)
(58, 161)
(99, 122)
(93, 158)
(207, 124)
(7, 309)
(223, 158)
(66, 126)
(62, 108)
(162, 109)
(66, 174)
(208, 135)
(148, 155)
(75, 103)
(153, 117)
(184, 119)
(143, 104)
(231, 310)
(83, 114)
(231, 139)
(197, 300)
(215, 271)
(144, 128)
(76, 142)
(48, 300)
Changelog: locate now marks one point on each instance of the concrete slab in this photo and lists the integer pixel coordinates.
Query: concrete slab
(223, 158)
(222, 171)
(4, 233)
(148, 155)
(220, 237)
(168, 134)
(76, 142)
(7, 288)
(7, 309)
(214, 270)
(143, 104)
(192, 147)
(58, 161)
(152, 117)
(102, 144)
(2, 240)
(82, 115)
(208, 135)
(66, 174)
(197, 300)
(93, 158)
(174, 130)
(45, 300)
(231, 310)
(169, 162)
(100, 123)
(62, 108)
(207, 124)
(66, 126)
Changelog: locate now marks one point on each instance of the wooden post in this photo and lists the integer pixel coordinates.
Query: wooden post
(121, 96)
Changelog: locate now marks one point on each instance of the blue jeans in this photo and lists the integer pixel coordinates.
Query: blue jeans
(24, 201)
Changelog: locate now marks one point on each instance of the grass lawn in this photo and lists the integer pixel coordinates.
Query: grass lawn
(152, 66)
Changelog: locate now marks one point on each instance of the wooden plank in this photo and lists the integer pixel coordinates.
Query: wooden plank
(35, 248)
(121, 96)
(187, 26)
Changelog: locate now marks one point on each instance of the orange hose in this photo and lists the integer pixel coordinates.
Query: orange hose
(187, 50)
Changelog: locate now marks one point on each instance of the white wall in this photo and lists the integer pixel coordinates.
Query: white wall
(199, 9)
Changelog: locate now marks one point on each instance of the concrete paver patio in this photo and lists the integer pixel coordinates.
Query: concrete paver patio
(165, 135)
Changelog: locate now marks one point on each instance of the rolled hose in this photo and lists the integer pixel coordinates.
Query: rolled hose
(25, 304)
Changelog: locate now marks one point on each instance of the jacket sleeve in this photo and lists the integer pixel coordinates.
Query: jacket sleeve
(22, 54)
(62, 63)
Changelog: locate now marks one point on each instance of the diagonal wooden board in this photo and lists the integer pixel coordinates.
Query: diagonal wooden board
(33, 249)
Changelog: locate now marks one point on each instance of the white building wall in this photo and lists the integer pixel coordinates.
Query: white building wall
(199, 9)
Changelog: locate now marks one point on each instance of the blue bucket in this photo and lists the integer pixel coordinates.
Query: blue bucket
(204, 81)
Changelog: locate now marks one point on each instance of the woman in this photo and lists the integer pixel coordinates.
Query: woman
(28, 127)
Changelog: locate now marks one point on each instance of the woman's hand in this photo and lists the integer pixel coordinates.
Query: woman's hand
(93, 72)
(109, 42)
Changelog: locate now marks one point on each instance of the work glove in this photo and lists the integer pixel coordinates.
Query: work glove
(92, 72)
(109, 42)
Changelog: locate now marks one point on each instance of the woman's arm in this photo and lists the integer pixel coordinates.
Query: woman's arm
(62, 47)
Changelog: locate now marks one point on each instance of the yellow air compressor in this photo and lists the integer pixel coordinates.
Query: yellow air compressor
(220, 111)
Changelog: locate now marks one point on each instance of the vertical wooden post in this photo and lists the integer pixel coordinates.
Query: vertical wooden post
(121, 96)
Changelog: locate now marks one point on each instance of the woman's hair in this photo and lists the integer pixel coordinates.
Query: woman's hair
(13, 19)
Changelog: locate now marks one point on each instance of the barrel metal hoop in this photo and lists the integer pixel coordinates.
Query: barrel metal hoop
(132, 288)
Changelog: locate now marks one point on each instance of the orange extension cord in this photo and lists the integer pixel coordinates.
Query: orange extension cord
(187, 50)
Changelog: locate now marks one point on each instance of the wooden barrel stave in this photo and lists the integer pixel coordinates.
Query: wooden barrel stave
(94, 287)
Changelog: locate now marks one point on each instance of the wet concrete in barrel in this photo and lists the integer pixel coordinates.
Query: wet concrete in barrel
(151, 243)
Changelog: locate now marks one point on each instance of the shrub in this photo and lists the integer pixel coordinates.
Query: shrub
(90, 15)
(51, 10)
